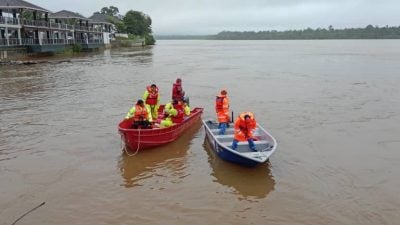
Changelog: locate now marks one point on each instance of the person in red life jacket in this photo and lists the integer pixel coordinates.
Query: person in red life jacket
(180, 112)
(244, 126)
(222, 110)
(152, 99)
(140, 115)
(177, 90)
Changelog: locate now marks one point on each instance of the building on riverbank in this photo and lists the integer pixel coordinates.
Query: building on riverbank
(101, 21)
(27, 26)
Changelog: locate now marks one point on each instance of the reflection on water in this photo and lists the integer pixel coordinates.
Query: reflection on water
(139, 56)
(255, 182)
(168, 160)
(22, 81)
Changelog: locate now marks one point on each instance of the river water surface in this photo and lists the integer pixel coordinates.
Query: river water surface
(333, 106)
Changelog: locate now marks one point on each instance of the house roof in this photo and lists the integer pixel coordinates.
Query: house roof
(20, 4)
(65, 14)
(98, 18)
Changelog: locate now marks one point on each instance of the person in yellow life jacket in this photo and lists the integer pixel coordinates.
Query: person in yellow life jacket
(244, 127)
(186, 108)
(222, 110)
(152, 99)
(140, 115)
(174, 112)
(169, 112)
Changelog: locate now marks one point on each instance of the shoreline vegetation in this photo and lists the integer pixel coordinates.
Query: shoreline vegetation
(369, 32)
(136, 24)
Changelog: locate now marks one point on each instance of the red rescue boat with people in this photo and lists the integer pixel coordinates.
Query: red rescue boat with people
(137, 137)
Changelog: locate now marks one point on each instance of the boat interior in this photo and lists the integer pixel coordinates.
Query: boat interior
(263, 142)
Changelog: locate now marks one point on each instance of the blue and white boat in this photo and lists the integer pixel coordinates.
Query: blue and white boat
(243, 155)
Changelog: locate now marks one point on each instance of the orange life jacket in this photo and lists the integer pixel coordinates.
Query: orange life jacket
(223, 117)
(152, 97)
(243, 129)
(219, 103)
(140, 113)
(222, 103)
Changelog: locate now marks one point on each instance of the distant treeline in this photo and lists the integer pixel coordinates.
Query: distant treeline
(369, 32)
(183, 37)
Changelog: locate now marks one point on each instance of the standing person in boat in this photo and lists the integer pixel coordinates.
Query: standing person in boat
(140, 116)
(152, 99)
(177, 90)
(222, 110)
(244, 126)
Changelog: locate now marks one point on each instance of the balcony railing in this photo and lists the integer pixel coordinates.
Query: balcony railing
(9, 20)
(30, 41)
(45, 24)
(34, 41)
(91, 41)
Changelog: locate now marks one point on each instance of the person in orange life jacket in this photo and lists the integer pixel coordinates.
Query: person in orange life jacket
(152, 99)
(140, 115)
(177, 90)
(244, 126)
(222, 110)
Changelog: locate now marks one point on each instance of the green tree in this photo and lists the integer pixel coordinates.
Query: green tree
(137, 23)
(119, 24)
(111, 11)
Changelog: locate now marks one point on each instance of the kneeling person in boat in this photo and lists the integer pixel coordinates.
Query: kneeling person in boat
(244, 126)
(173, 113)
(140, 116)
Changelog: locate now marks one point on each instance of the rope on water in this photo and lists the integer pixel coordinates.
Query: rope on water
(41, 204)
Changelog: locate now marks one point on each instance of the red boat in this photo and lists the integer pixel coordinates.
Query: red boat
(137, 139)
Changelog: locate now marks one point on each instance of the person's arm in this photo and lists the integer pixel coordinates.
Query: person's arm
(253, 125)
(130, 112)
(187, 110)
(167, 108)
(226, 103)
(173, 112)
(145, 95)
(148, 116)
(237, 125)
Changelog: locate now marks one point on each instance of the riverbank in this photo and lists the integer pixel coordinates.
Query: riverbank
(32, 62)
(21, 56)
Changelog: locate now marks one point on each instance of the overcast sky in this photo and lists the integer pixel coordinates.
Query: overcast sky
(194, 17)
